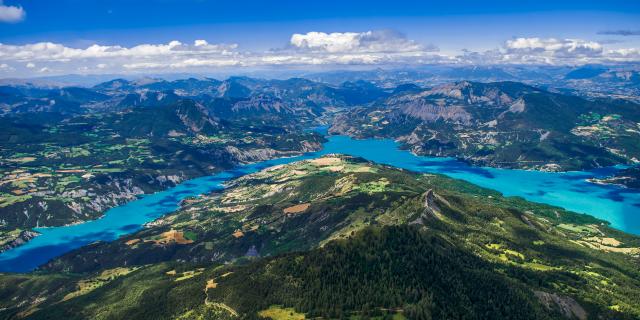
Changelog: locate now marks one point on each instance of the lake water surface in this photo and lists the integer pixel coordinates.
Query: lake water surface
(569, 190)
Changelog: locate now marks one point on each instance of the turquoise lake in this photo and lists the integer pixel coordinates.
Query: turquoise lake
(619, 206)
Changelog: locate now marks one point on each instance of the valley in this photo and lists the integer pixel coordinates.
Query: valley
(287, 228)
(239, 198)
(613, 204)
(83, 166)
(325, 160)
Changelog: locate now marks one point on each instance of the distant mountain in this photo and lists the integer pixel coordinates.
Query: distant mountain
(232, 89)
(406, 88)
(21, 99)
(191, 86)
(146, 98)
(79, 95)
(585, 72)
(480, 72)
(591, 80)
(180, 118)
(504, 124)
(117, 85)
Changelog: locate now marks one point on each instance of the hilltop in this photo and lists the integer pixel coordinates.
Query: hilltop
(381, 241)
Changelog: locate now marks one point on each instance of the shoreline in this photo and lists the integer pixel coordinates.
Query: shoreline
(276, 161)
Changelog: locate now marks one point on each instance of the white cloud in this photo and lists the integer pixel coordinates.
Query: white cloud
(201, 43)
(624, 55)
(551, 51)
(314, 48)
(310, 49)
(349, 48)
(48, 51)
(143, 65)
(205, 63)
(370, 41)
(11, 14)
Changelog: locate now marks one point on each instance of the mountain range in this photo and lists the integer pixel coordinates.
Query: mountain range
(331, 236)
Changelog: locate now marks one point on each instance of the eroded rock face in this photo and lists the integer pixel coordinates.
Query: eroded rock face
(21, 239)
(251, 155)
(262, 103)
(310, 146)
(195, 117)
(567, 306)
(430, 206)
(261, 154)
(431, 209)
(121, 191)
(430, 112)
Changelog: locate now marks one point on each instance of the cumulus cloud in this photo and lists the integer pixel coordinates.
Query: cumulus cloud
(370, 41)
(53, 57)
(174, 54)
(550, 51)
(313, 48)
(184, 64)
(11, 14)
(624, 55)
(353, 48)
(554, 46)
(309, 49)
(48, 51)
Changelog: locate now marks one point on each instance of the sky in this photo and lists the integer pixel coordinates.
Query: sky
(55, 37)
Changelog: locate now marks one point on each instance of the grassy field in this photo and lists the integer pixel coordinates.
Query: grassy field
(279, 313)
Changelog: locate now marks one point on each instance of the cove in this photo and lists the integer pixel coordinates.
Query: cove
(570, 190)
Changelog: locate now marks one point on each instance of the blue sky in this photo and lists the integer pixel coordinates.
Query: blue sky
(250, 34)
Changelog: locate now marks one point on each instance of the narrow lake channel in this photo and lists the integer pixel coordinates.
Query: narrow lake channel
(570, 190)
